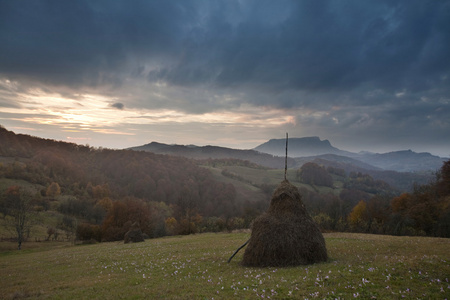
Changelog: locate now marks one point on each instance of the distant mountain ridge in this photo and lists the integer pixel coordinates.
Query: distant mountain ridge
(400, 161)
(404, 160)
(271, 154)
(301, 147)
(215, 152)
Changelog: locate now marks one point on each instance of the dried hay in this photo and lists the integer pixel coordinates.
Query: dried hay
(134, 235)
(285, 235)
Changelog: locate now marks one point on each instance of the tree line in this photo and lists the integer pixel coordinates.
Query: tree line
(371, 206)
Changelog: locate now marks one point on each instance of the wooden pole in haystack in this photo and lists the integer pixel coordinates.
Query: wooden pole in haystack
(285, 235)
(285, 159)
(285, 172)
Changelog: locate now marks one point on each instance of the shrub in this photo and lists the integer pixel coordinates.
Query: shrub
(86, 232)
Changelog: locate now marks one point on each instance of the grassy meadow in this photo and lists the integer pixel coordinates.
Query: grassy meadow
(195, 267)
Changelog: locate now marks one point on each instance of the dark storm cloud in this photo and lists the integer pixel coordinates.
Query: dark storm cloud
(300, 45)
(320, 46)
(372, 65)
(84, 42)
(118, 105)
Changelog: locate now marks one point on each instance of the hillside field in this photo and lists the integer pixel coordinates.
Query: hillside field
(249, 177)
(195, 267)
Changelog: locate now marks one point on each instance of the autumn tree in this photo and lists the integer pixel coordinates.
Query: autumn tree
(114, 221)
(324, 221)
(122, 215)
(171, 225)
(358, 217)
(350, 198)
(186, 211)
(443, 188)
(401, 203)
(53, 190)
(69, 226)
(17, 208)
(443, 180)
(89, 232)
(98, 191)
(159, 214)
(378, 212)
(416, 213)
(312, 173)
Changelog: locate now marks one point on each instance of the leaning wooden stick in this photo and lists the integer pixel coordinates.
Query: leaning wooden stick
(285, 158)
(235, 252)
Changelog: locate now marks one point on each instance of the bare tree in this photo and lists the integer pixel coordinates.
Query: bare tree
(17, 209)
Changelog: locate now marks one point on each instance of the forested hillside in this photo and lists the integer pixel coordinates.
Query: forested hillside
(92, 184)
(100, 193)
(214, 152)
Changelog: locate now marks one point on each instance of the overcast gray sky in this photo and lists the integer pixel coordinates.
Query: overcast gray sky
(366, 75)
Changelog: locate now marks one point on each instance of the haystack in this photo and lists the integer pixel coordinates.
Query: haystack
(285, 235)
(134, 235)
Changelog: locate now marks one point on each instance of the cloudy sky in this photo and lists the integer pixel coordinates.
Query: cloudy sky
(366, 75)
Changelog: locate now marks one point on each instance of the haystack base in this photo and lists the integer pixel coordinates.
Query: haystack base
(285, 235)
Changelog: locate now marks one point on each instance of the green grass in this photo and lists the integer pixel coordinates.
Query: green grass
(41, 221)
(257, 177)
(5, 183)
(260, 176)
(272, 177)
(195, 267)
